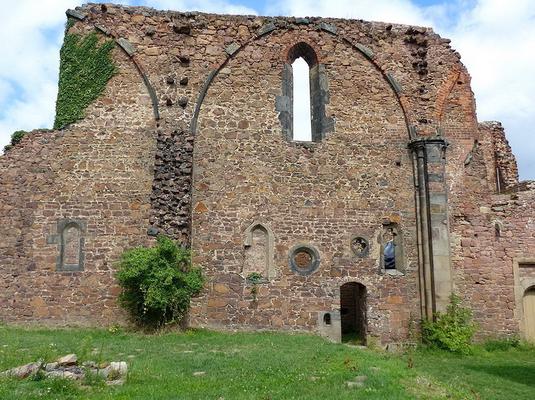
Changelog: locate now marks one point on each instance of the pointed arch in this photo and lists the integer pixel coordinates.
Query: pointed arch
(259, 245)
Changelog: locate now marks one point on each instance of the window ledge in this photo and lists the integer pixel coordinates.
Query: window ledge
(393, 272)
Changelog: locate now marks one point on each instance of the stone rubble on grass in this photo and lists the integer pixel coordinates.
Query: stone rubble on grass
(67, 367)
(357, 382)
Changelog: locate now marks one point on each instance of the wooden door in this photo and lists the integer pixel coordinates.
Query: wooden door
(529, 314)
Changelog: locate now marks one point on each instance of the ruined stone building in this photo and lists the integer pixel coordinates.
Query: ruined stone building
(398, 198)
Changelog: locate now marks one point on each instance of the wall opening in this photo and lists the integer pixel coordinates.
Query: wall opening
(528, 303)
(327, 319)
(391, 248)
(302, 119)
(304, 96)
(353, 312)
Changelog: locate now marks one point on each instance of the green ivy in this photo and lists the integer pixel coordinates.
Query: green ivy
(158, 283)
(69, 24)
(85, 68)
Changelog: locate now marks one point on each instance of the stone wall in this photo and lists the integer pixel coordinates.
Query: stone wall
(98, 174)
(187, 140)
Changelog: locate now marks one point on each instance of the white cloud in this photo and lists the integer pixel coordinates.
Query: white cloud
(397, 11)
(495, 38)
(32, 33)
(211, 6)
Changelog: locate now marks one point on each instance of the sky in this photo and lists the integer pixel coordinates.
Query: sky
(496, 39)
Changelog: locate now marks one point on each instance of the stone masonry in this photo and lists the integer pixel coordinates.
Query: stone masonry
(193, 139)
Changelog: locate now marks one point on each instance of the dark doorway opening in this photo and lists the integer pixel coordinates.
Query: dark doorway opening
(353, 312)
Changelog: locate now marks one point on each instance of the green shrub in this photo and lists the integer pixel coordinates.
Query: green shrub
(158, 283)
(254, 278)
(452, 330)
(16, 137)
(501, 344)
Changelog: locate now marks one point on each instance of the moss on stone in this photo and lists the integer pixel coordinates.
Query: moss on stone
(85, 68)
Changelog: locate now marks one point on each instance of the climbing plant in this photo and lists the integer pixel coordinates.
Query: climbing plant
(86, 66)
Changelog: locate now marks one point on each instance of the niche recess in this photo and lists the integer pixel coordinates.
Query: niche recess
(71, 242)
(259, 242)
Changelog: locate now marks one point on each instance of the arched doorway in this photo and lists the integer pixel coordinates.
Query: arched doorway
(529, 314)
(353, 312)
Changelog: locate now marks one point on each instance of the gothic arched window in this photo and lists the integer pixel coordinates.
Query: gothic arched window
(304, 119)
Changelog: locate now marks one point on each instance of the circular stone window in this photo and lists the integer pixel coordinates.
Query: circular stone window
(304, 259)
(360, 246)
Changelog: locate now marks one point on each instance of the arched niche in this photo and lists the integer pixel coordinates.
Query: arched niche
(71, 245)
(259, 251)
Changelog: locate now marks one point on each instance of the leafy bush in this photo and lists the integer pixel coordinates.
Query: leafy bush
(452, 330)
(158, 283)
(502, 344)
(16, 137)
(254, 278)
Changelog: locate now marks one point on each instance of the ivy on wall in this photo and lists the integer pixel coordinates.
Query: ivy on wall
(85, 68)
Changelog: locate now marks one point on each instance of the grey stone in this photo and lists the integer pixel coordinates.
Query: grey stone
(119, 367)
(232, 48)
(75, 14)
(69, 359)
(328, 28)
(23, 371)
(51, 366)
(266, 29)
(102, 29)
(394, 83)
(126, 46)
(365, 50)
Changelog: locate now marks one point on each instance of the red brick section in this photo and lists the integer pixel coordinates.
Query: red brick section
(111, 171)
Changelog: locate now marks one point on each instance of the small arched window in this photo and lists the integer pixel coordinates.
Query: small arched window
(391, 248)
(302, 105)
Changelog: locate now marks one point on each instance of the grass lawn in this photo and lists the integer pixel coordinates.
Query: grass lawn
(260, 366)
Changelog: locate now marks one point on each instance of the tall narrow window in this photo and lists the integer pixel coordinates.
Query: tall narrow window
(302, 121)
(305, 94)
(391, 248)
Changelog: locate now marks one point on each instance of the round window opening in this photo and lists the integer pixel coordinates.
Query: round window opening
(360, 246)
(304, 259)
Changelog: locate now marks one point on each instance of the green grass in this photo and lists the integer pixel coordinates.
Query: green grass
(260, 366)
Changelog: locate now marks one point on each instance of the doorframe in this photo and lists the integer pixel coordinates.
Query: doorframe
(520, 287)
(363, 308)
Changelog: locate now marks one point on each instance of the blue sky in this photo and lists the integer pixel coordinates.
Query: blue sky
(496, 39)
